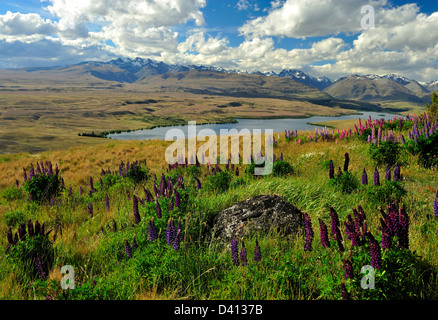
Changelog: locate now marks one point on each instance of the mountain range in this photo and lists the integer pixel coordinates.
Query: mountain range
(155, 74)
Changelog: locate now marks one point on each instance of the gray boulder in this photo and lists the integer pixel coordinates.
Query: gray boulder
(259, 214)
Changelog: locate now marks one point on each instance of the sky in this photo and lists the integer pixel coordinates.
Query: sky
(333, 38)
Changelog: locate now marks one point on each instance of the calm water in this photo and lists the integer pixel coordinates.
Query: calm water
(278, 125)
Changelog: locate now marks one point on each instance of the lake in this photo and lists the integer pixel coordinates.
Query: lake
(278, 125)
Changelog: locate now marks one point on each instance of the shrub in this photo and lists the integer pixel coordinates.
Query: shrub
(219, 182)
(24, 255)
(346, 183)
(387, 192)
(282, 168)
(43, 187)
(14, 218)
(427, 150)
(12, 193)
(385, 152)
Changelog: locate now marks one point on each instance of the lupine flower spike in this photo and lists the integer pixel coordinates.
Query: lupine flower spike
(234, 252)
(257, 252)
(243, 256)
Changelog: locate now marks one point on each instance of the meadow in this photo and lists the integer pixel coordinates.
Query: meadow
(134, 227)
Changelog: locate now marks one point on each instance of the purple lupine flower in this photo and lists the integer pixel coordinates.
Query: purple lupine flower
(107, 205)
(37, 228)
(403, 236)
(170, 232)
(178, 238)
(346, 161)
(81, 190)
(52, 202)
(344, 293)
(91, 184)
(22, 231)
(10, 237)
(90, 209)
(243, 256)
(375, 252)
(435, 205)
(134, 244)
(386, 235)
(376, 177)
(128, 249)
(70, 191)
(24, 175)
(308, 232)
(177, 198)
(396, 172)
(323, 234)
(30, 229)
(257, 252)
(158, 209)
(348, 268)
(351, 231)
(388, 173)
(237, 171)
(152, 230)
(331, 170)
(234, 252)
(334, 221)
(198, 183)
(39, 267)
(339, 172)
(137, 218)
(364, 177)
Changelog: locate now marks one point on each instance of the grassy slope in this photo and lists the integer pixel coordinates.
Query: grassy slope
(204, 271)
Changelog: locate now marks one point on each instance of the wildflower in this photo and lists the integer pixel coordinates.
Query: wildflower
(237, 171)
(376, 255)
(30, 229)
(348, 268)
(364, 177)
(90, 209)
(158, 209)
(198, 183)
(177, 200)
(308, 232)
(331, 170)
(134, 244)
(70, 191)
(128, 250)
(344, 293)
(170, 232)
(234, 252)
(334, 221)
(346, 161)
(137, 218)
(39, 267)
(386, 236)
(435, 204)
(243, 257)
(107, 203)
(323, 234)
(257, 252)
(152, 230)
(388, 173)
(396, 172)
(376, 177)
(177, 240)
(403, 236)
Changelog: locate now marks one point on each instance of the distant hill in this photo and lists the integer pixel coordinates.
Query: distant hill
(379, 89)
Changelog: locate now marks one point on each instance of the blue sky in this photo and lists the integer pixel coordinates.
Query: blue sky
(321, 37)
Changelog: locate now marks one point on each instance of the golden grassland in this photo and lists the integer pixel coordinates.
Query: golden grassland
(37, 120)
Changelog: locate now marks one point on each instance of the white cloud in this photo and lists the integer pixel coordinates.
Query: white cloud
(16, 24)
